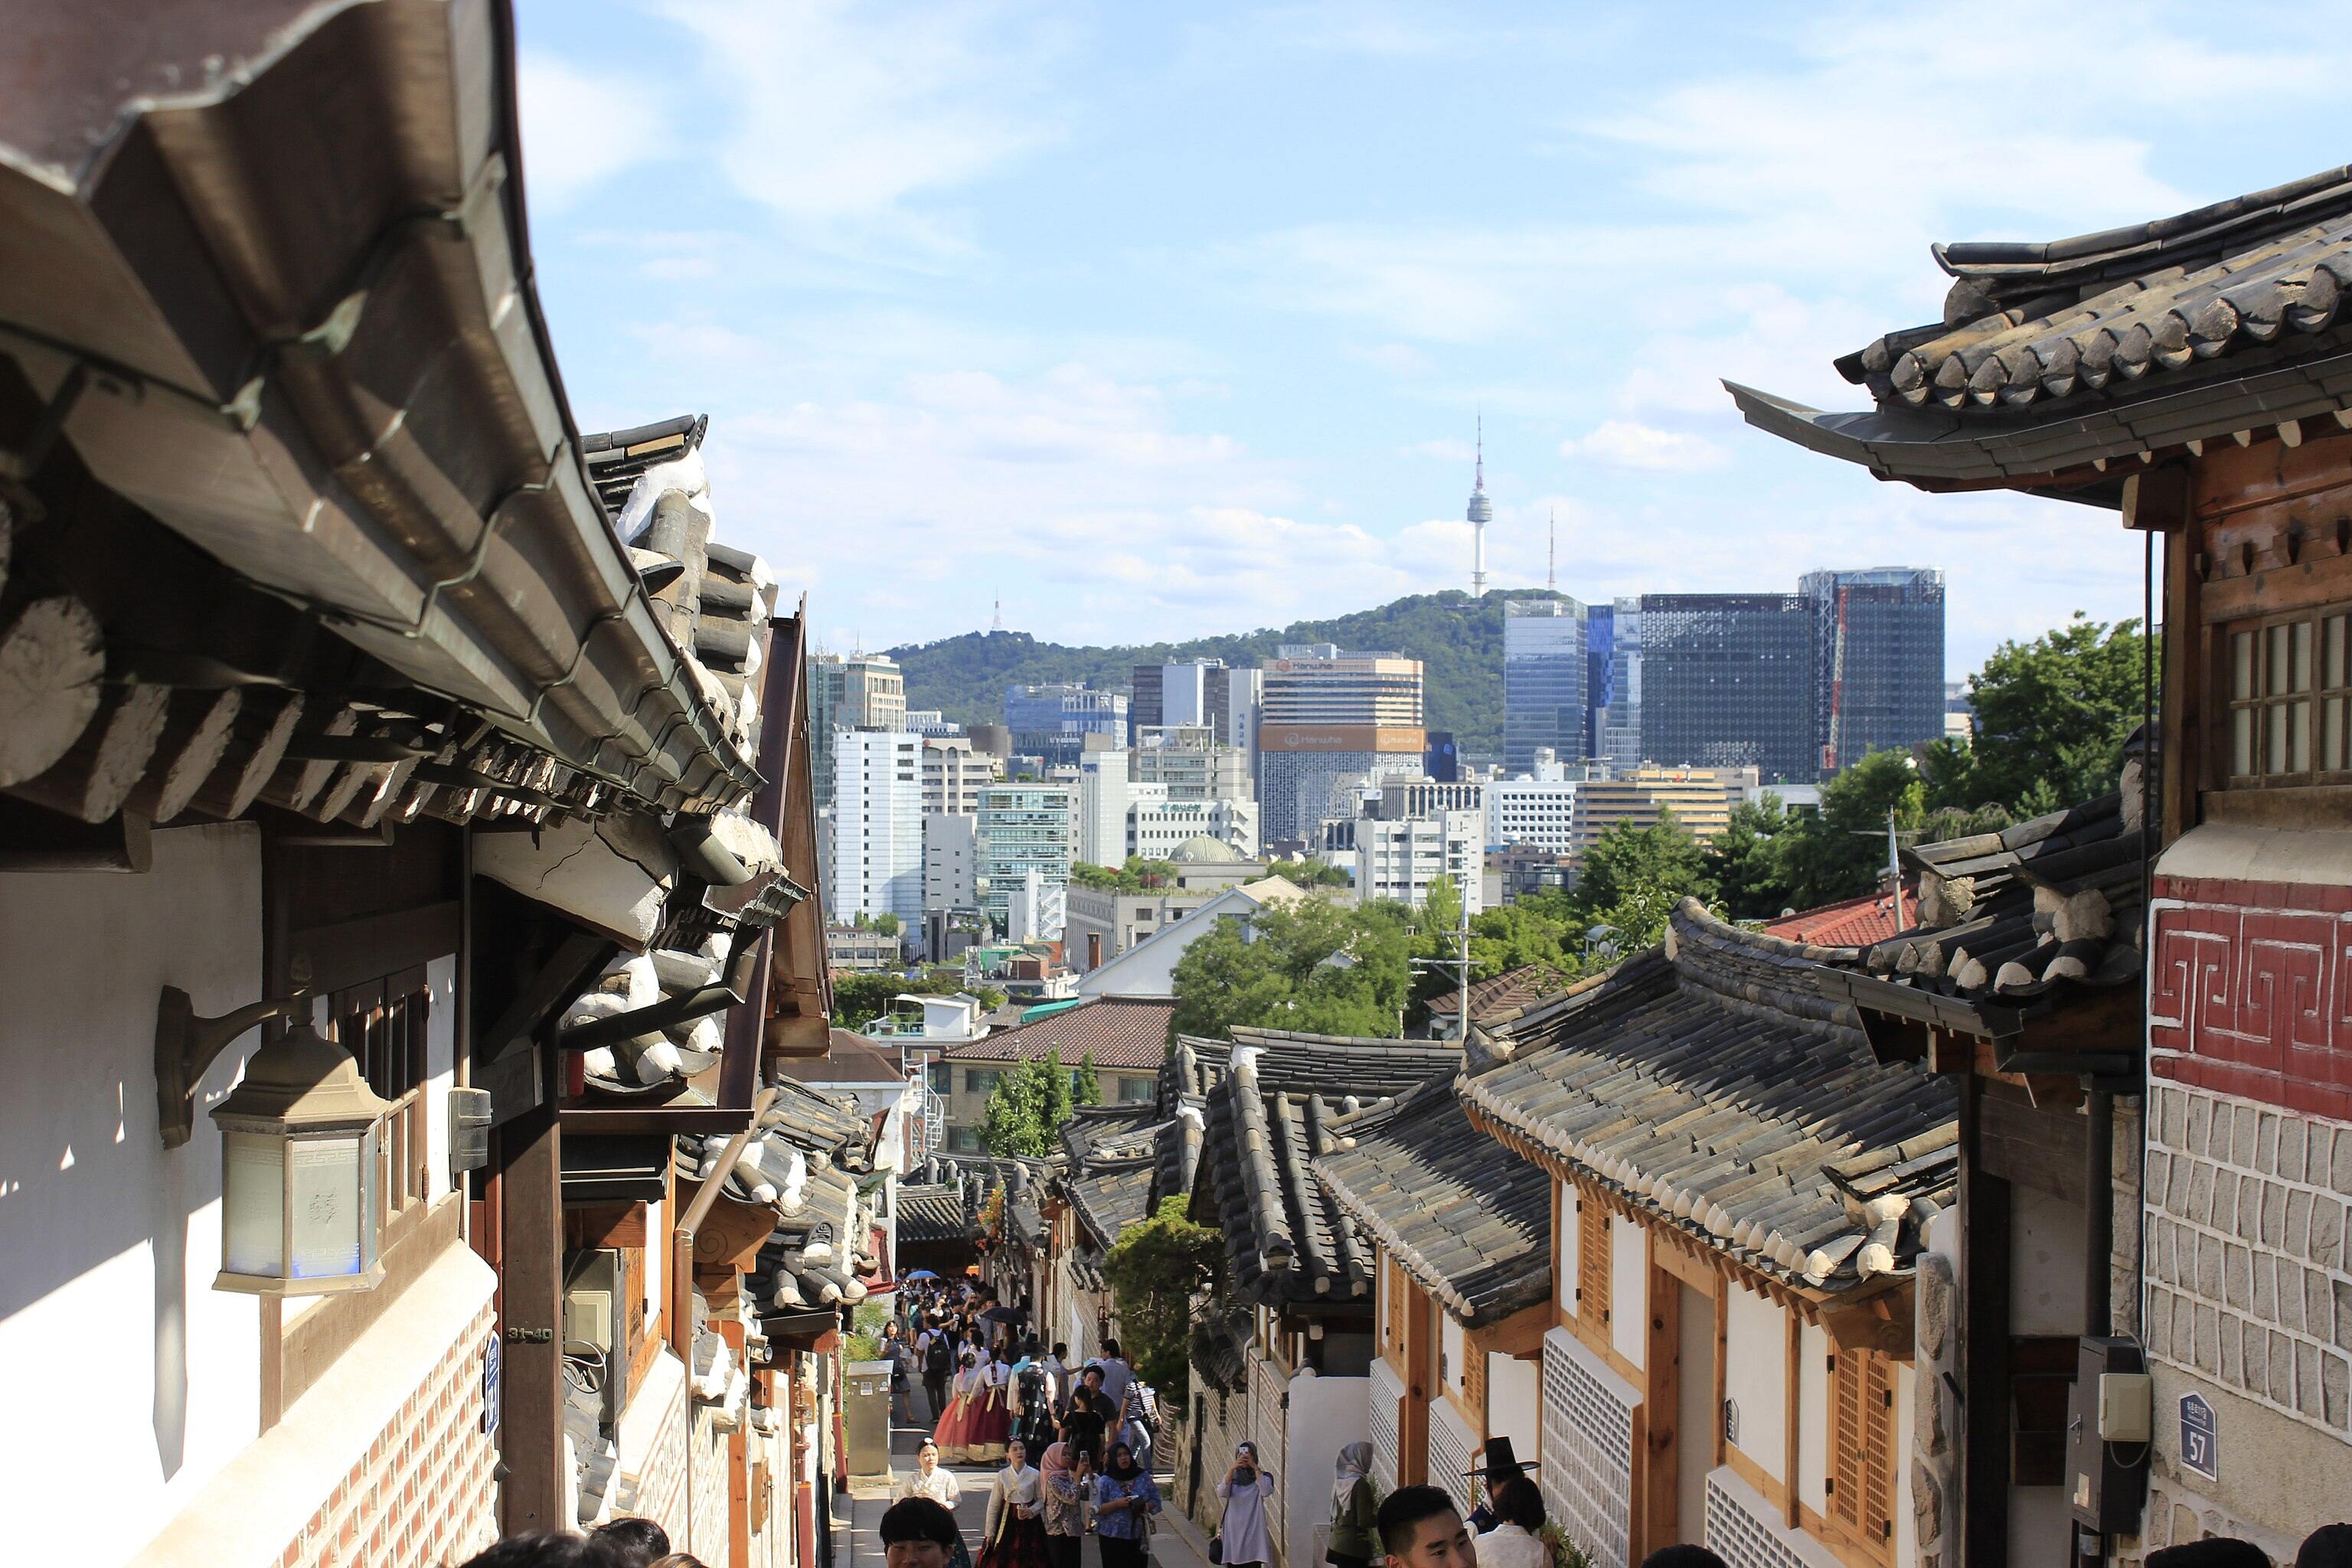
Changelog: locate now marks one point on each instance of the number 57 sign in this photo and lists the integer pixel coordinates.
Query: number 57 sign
(2201, 1439)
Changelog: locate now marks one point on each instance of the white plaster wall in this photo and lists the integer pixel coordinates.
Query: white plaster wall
(2045, 1275)
(440, 1051)
(1906, 1527)
(1456, 1354)
(1325, 1414)
(1515, 1401)
(1563, 1261)
(1813, 1417)
(1629, 1279)
(1756, 1378)
(131, 1381)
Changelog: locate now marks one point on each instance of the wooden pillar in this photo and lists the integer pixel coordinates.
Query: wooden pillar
(531, 1424)
(1656, 1520)
(2187, 659)
(1984, 1346)
(738, 1464)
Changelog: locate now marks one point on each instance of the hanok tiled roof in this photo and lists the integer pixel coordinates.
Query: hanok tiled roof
(1850, 922)
(1110, 1132)
(1124, 1032)
(1711, 1083)
(1499, 995)
(2110, 345)
(2021, 913)
(1270, 1116)
(1111, 1200)
(935, 1212)
(1468, 1220)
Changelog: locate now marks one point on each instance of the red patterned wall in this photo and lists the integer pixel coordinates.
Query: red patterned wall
(2251, 992)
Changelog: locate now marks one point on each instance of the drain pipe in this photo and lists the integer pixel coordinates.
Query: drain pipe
(681, 1274)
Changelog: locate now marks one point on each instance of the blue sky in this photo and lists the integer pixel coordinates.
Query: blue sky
(1164, 321)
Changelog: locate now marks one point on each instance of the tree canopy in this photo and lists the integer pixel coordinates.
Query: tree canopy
(1027, 1108)
(859, 999)
(1311, 873)
(2051, 716)
(1310, 965)
(1138, 874)
(1156, 1269)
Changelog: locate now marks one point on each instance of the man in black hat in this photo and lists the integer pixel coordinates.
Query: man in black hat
(1500, 1463)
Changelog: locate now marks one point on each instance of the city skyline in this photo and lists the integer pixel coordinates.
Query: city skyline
(978, 305)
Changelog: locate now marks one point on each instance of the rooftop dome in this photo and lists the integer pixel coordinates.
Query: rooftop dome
(1200, 849)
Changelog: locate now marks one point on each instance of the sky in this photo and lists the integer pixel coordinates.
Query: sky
(1160, 321)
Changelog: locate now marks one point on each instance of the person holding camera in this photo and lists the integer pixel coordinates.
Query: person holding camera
(1242, 1535)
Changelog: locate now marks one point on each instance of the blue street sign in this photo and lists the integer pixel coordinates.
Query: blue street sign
(491, 1357)
(2201, 1438)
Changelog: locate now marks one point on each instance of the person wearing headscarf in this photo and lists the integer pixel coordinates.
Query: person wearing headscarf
(1124, 1500)
(1014, 1535)
(1065, 1481)
(1242, 1532)
(1355, 1510)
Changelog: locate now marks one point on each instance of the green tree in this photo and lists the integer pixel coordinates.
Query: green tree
(1026, 1110)
(1309, 965)
(1632, 863)
(887, 923)
(1838, 853)
(859, 999)
(1087, 1089)
(1156, 1271)
(1745, 863)
(2051, 716)
(1057, 1093)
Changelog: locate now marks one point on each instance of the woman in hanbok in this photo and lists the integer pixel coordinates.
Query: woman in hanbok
(954, 1432)
(934, 1480)
(992, 1420)
(1014, 1536)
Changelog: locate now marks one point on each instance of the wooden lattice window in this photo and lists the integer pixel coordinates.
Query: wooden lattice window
(2288, 682)
(1592, 1265)
(1861, 1482)
(383, 1022)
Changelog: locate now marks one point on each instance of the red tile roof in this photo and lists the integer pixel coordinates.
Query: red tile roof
(1855, 923)
(1119, 1031)
(1504, 992)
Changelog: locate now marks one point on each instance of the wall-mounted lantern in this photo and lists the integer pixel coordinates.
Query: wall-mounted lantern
(301, 1208)
(301, 1212)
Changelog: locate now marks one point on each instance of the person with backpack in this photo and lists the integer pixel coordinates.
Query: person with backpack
(938, 1366)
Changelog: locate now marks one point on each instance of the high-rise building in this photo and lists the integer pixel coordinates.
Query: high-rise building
(1621, 719)
(1327, 719)
(1400, 859)
(1537, 811)
(865, 692)
(1192, 763)
(1878, 660)
(1700, 800)
(877, 825)
(1054, 720)
(951, 862)
(952, 774)
(1197, 692)
(1144, 699)
(1728, 682)
(1546, 671)
(1025, 828)
(1105, 790)
(1600, 675)
(1243, 688)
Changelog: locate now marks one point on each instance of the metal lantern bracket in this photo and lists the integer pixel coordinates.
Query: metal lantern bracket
(185, 1046)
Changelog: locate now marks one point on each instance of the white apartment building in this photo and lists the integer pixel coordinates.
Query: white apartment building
(951, 861)
(1192, 762)
(1101, 793)
(877, 825)
(1399, 858)
(1156, 827)
(953, 773)
(1536, 811)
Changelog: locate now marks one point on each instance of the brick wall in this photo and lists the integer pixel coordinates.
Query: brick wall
(423, 1493)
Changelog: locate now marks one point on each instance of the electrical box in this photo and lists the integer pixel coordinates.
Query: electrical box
(2106, 1471)
(596, 1311)
(2125, 1403)
(470, 1130)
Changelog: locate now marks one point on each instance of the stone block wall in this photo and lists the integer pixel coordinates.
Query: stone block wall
(424, 1492)
(2247, 1278)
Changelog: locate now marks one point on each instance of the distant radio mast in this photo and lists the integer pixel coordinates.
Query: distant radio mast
(997, 625)
(1482, 512)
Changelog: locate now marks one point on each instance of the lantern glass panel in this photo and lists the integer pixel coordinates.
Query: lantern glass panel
(330, 1182)
(253, 1204)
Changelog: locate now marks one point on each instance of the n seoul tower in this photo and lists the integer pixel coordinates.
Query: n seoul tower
(1482, 512)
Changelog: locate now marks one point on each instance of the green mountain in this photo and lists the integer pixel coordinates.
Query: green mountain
(1458, 639)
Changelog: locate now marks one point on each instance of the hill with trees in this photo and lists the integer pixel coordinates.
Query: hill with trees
(1458, 639)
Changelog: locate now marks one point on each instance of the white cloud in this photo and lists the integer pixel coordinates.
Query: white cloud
(843, 114)
(581, 127)
(1622, 443)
